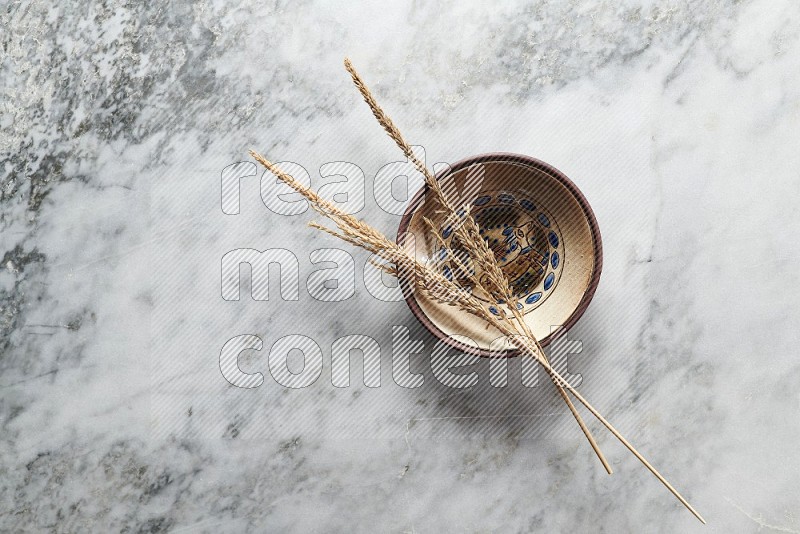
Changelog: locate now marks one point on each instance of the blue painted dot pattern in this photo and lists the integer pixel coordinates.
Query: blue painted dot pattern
(548, 282)
(543, 219)
(511, 238)
(533, 297)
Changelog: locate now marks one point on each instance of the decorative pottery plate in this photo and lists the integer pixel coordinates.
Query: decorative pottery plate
(537, 224)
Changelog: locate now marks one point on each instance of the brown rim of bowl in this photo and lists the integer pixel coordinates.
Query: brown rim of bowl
(553, 172)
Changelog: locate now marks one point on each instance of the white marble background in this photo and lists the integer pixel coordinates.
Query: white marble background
(679, 120)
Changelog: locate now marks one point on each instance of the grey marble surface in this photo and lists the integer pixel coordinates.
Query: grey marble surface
(678, 120)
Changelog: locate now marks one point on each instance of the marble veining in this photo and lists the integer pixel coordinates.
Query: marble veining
(677, 119)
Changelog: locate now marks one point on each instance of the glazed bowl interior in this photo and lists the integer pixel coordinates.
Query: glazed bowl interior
(539, 227)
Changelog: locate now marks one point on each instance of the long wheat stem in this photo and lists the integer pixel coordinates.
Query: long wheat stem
(522, 326)
(492, 281)
(439, 288)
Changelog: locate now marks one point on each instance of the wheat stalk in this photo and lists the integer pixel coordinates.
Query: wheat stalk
(439, 288)
(464, 225)
(521, 327)
(492, 280)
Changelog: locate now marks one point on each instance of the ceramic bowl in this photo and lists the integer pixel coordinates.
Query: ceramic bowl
(540, 228)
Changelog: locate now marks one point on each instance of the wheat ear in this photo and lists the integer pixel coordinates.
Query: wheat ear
(493, 281)
(438, 287)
